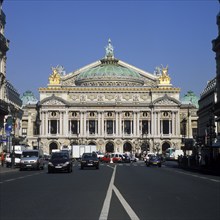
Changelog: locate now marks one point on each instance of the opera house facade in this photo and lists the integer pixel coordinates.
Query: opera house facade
(111, 104)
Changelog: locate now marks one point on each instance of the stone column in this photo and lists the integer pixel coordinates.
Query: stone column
(81, 123)
(42, 123)
(134, 124)
(138, 124)
(47, 125)
(116, 124)
(158, 124)
(102, 124)
(120, 125)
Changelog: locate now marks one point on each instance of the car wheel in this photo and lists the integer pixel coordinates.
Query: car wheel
(82, 167)
(97, 167)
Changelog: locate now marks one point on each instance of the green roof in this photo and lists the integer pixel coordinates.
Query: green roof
(108, 71)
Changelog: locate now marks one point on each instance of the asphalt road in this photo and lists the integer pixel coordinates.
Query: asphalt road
(114, 192)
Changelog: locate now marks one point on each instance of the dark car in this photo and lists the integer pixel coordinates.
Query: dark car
(154, 161)
(89, 160)
(60, 161)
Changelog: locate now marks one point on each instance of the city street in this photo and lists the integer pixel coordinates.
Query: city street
(115, 191)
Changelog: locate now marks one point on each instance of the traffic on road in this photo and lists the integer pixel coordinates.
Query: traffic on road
(114, 191)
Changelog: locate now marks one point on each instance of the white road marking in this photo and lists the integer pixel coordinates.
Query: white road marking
(106, 205)
(21, 177)
(126, 206)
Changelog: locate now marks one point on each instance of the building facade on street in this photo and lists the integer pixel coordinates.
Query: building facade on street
(4, 47)
(216, 49)
(10, 102)
(111, 104)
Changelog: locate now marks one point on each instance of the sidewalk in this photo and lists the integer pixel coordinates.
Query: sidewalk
(7, 169)
(201, 169)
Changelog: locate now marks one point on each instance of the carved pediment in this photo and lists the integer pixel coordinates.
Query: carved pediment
(166, 100)
(53, 100)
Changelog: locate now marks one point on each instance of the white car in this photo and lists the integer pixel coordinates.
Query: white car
(149, 154)
(17, 155)
(100, 155)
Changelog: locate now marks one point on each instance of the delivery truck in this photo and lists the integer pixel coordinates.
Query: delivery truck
(78, 150)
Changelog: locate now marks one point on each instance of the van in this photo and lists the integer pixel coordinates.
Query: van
(173, 154)
(32, 159)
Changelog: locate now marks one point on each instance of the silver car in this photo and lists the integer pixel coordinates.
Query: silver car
(32, 159)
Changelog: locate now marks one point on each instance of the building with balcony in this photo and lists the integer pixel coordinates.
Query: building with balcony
(10, 102)
(4, 47)
(216, 49)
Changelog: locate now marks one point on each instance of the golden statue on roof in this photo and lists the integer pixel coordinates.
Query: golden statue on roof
(54, 78)
(164, 77)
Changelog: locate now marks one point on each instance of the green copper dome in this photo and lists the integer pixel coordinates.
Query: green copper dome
(190, 98)
(109, 73)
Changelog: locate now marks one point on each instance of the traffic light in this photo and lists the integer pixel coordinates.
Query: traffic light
(9, 120)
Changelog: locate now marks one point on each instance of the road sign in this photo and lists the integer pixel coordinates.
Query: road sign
(8, 128)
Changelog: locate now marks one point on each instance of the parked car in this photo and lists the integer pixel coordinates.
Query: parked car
(106, 158)
(89, 160)
(60, 161)
(117, 157)
(126, 158)
(100, 155)
(154, 161)
(17, 159)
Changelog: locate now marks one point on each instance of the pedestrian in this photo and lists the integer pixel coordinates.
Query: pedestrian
(2, 159)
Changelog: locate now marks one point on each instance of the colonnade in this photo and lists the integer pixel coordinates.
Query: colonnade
(155, 123)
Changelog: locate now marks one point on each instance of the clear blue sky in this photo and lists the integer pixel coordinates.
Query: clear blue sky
(146, 34)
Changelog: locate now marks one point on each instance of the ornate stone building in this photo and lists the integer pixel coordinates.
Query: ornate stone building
(112, 104)
(216, 49)
(10, 102)
(4, 46)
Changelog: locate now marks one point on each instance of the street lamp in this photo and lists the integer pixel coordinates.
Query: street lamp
(184, 135)
(14, 117)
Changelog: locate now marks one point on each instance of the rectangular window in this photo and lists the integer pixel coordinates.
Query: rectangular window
(53, 126)
(74, 127)
(109, 126)
(165, 126)
(24, 131)
(144, 127)
(91, 126)
(127, 127)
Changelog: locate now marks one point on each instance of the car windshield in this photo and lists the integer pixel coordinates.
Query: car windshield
(154, 157)
(30, 154)
(59, 156)
(89, 156)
